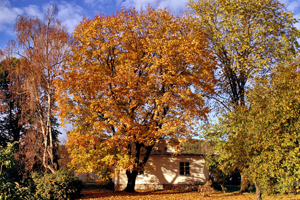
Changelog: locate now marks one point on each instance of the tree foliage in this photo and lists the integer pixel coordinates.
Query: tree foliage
(264, 136)
(61, 185)
(133, 78)
(248, 38)
(43, 45)
(11, 186)
(17, 118)
(14, 107)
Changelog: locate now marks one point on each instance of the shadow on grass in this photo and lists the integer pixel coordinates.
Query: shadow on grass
(102, 193)
(96, 191)
(108, 186)
(231, 189)
(235, 189)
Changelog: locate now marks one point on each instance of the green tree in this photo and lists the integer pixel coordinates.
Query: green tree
(264, 135)
(11, 186)
(13, 103)
(248, 38)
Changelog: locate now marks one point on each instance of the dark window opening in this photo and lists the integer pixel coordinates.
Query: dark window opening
(141, 172)
(184, 168)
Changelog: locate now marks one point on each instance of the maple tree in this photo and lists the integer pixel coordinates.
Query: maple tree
(43, 45)
(248, 38)
(264, 135)
(133, 78)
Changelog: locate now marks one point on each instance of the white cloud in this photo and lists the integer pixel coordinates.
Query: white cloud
(298, 24)
(8, 17)
(293, 5)
(174, 6)
(33, 10)
(137, 3)
(9, 14)
(70, 14)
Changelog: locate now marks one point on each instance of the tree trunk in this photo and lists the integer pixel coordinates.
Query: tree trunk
(244, 184)
(224, 189)
(131, 180)
(258, 192)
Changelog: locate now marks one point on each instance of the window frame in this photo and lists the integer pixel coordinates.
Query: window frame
(184, 169)
(141, 172)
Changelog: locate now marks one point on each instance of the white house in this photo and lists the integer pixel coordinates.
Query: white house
(164, 170)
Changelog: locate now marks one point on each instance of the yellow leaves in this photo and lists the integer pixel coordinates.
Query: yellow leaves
(132, 78)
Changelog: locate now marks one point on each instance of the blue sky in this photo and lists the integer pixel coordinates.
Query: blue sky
(72, 11)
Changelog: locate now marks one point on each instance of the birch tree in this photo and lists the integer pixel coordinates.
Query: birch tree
(43, 45)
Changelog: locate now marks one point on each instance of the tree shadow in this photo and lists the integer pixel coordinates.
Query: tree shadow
(162, 172)
(102, 193)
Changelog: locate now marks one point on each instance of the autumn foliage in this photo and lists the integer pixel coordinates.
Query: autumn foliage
(42, 47)
(133, 78)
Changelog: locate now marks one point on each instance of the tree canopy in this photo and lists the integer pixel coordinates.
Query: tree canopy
(133, 78)
(262, 139)
(248, 38)
(14, 107)
(42, 47)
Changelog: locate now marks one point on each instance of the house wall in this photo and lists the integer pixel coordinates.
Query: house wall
(162, 172)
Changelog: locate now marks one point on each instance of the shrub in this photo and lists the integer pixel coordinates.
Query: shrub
(61, 185)
(206, 189)
(11, 187)
(14, 191)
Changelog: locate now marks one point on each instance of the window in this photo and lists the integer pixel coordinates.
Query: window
(184, 168)
(141, 172)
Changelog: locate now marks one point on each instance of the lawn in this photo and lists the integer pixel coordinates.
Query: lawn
(95, 194)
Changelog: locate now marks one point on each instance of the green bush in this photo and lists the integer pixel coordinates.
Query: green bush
(14, 191)
(11, 187)
(61, 185)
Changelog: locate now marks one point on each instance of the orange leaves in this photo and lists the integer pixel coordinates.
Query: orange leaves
(135, 77)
